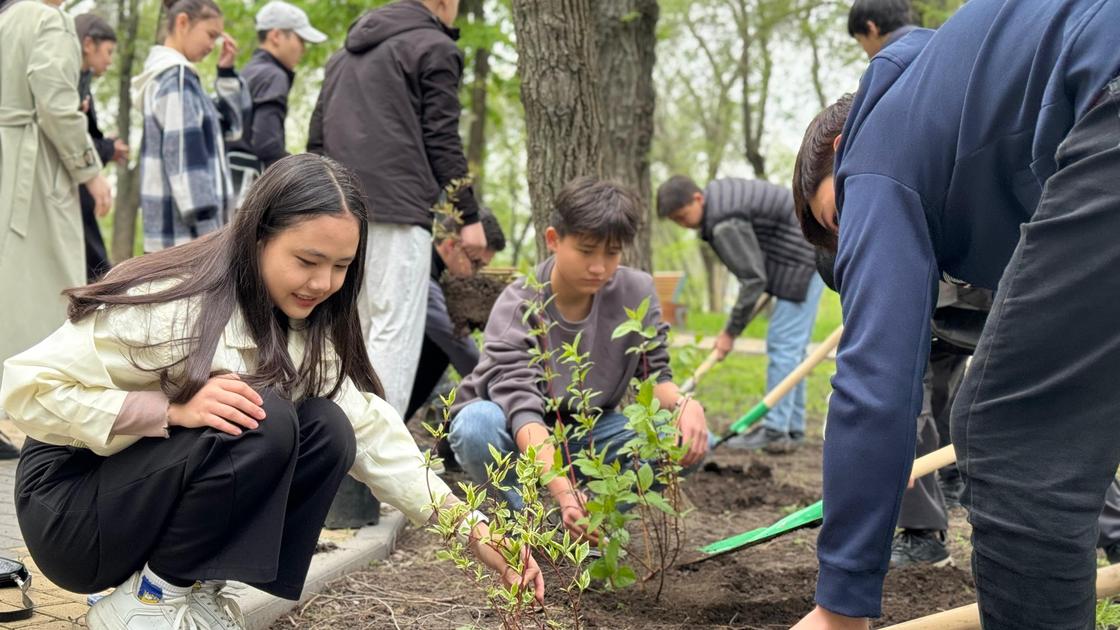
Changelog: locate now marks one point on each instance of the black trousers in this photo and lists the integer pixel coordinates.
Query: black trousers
(1035, 421)
(1109, 521)
(97, 260)
(947, 370)
(200, 504)
(923, 506)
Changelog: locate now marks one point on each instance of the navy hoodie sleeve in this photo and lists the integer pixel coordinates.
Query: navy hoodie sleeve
(887, 273)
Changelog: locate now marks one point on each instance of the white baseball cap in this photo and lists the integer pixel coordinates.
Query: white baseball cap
(288, 17)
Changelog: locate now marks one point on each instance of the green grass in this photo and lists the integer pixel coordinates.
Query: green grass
(1108, 614)
(739, 382)
(710, 324)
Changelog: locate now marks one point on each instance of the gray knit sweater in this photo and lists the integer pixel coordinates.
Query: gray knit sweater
(505, 377)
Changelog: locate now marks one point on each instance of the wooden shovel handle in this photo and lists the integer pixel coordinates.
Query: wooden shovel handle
(800, 372)
(968, 617)
(930, 462)
(709, 363)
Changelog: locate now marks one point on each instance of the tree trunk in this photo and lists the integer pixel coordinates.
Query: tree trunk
(627, 45)
(128, 179)
(713, 269)
(558, 65)
(476, 135)
(815, 68)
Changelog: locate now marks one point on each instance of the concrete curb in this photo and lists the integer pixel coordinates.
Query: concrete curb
(367, 545)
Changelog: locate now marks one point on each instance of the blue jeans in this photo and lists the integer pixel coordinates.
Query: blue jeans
(482, 423)
(789, 332)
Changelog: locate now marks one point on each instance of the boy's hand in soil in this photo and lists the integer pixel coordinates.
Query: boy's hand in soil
(223, 403)
(694, 431)
(571, 502)
(823, 619)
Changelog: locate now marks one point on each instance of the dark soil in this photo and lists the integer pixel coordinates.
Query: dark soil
(765, 587)
(469, 300)
(722, 488)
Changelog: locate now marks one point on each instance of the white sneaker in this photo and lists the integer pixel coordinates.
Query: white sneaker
(217, 608)
(139, 605)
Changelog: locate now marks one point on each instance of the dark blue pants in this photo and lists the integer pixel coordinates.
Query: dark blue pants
(1035, 424)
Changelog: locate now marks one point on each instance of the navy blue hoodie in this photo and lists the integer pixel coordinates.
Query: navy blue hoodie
(951, 137)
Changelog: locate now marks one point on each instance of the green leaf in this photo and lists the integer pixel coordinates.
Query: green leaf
(645, 477)
(599, 570)
(626, 328)
(659, 502)
(643, 308)
(624, 577)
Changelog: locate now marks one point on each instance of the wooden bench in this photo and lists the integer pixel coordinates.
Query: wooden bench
(669, 286)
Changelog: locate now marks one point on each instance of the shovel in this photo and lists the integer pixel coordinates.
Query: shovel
(708, 363)
(714, 358)
(813, 515)
(757, 412)
(968, 617)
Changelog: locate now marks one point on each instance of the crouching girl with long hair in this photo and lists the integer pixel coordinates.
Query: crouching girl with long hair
(192, 420)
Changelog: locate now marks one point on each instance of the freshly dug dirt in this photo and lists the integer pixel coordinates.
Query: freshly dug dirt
(469, 300)
(720, 488)
(766, 587)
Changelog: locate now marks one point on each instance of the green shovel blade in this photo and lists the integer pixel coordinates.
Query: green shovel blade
(810, 516)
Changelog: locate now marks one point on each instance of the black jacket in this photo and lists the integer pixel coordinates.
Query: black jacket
(269, 84)
(389, 110)
(751, 226)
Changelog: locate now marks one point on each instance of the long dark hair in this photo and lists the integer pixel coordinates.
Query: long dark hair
(222, 271)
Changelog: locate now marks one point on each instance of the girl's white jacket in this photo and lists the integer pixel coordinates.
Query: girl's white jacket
(69, 389)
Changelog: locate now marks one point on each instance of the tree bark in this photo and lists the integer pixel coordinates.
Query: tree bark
(558, 65)
(714, 270)
(627, 31)
(128, 179)
(476, 134)
(815, 68)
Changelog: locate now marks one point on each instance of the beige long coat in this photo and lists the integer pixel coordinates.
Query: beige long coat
(45, 152)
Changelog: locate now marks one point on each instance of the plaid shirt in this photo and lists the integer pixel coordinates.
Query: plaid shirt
(185, 186)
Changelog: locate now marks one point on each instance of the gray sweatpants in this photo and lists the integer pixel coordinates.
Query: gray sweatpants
(393, 305)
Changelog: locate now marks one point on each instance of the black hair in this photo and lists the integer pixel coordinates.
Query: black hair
(194, 9)
(95, 28)
(598, 209)
(814, 164)
(262, 36)
(222, 272)
(674, 194)
(888, 16)
(495, 237)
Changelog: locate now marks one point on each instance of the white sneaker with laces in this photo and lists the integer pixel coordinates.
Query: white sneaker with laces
(213, 601)
(139, 605)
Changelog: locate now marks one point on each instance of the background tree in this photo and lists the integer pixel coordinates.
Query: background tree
(627, 50)
(558, 64)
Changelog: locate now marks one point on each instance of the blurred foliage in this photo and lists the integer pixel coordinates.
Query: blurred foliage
(699, 121)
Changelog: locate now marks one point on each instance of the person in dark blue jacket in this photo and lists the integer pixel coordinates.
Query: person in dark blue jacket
(986, 153)
(876, 24)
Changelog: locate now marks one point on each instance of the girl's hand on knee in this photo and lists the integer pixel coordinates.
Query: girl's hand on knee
(225, 403)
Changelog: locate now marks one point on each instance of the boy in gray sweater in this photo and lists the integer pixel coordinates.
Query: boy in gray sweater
(503, 402)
